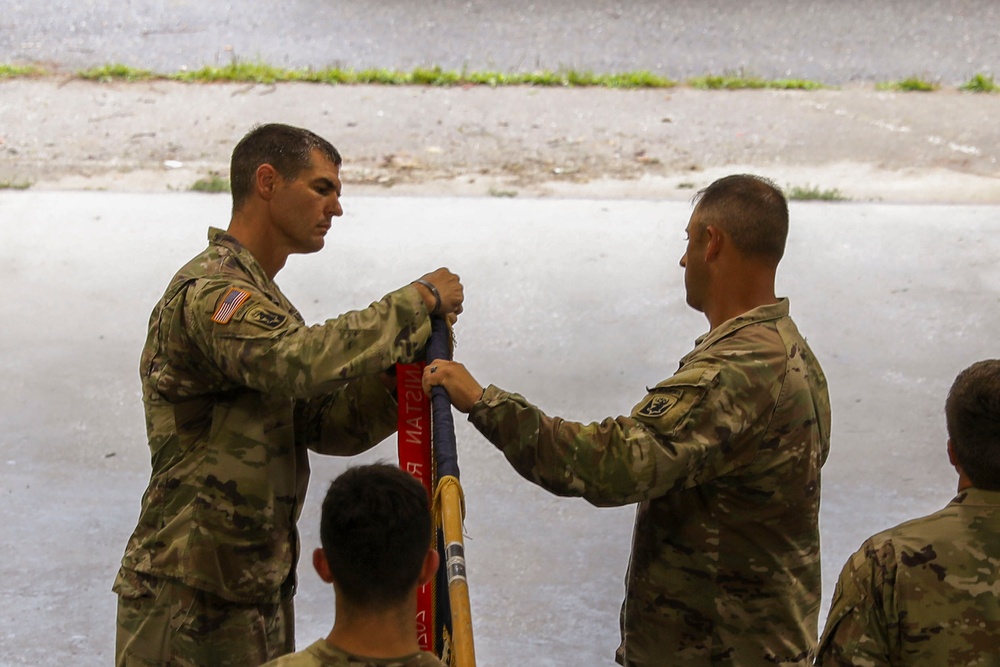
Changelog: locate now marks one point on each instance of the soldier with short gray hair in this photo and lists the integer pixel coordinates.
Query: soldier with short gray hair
(723, 457)
(237, 390)
(926, 592)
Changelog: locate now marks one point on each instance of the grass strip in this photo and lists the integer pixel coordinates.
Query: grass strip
(260, 72)
(20, 71)
(912, 84)
(980, 83)
(742, 82)
(813, 193)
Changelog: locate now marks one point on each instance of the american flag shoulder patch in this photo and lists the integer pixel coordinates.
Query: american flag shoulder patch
(234, 298)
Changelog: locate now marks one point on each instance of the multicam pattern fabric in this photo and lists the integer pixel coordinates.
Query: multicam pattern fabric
(321, 654)
(724, 460)
(163, 622)
(925, 593)
(234, 403)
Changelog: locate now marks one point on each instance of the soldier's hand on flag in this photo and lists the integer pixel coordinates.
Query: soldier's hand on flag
(442, 292)
(462, 388)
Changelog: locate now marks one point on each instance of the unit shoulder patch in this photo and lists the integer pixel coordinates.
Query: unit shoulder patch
(230, 303)
(659, 403)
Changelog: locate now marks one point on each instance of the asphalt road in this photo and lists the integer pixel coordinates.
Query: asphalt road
(832, 41)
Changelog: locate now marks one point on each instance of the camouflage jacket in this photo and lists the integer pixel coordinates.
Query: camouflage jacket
(724, 460)
(321, 654)
(236, 390)
(923, 593)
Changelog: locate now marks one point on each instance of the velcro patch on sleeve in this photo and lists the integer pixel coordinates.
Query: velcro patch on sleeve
(659, 403)
(265, 318)
(231, 303)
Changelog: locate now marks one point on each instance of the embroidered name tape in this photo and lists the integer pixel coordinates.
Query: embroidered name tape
(234, 298)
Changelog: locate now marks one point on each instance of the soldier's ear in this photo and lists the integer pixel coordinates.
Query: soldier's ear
(951, 454)
(265, 181)
(322, 567)
(714, 240)
(432, 561)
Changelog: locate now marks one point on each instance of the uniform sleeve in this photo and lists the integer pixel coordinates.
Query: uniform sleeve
(685, 432)
(348, 421)
(251, 342)
(859, 626)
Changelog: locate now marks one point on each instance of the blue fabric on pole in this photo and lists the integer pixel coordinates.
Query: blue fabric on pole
(445, 449)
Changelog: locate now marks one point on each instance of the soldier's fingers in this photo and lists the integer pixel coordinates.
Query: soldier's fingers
(425, 380)
(432, 375)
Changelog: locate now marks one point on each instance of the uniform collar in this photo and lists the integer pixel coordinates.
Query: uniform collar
(769, 312)
(241, 255)
(976, 497)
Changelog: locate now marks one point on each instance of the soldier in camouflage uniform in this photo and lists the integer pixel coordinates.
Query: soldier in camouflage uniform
(376, 534)
(926, 592)
(236, 390)
(723, 457)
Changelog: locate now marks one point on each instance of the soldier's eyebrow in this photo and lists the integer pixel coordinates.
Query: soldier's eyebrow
(325, 184)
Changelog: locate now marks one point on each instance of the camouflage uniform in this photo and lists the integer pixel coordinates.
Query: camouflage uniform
(923, 593)
(724, 460)
(236, 391)
(321, 654)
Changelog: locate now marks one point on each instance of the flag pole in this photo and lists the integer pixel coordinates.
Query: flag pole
(451, 502)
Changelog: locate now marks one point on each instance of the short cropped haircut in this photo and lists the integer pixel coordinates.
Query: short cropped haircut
(284, 147)
(751, 210)
(972, 412)
(376, 531)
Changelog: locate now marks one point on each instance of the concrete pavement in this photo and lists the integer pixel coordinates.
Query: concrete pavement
(578, 304)
(160, 136)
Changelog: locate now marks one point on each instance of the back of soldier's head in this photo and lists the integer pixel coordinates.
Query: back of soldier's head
(286, 148)
(973, 416)
(751, 210)
(376, 531)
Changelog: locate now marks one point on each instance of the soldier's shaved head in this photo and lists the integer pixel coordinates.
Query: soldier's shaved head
(751, 210)
(972, 412)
